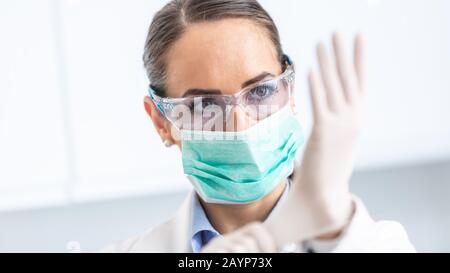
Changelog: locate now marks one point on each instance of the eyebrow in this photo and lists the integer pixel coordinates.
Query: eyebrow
(258, 78)
(197, 91)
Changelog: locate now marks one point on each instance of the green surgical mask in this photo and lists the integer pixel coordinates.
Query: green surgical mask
(242, 167)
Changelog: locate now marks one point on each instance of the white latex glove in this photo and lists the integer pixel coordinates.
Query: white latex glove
(251, 238)
(319, 201)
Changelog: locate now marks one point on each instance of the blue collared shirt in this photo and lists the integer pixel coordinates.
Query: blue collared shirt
(201, 229)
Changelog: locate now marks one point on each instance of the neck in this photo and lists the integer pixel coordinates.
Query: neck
(226, 218)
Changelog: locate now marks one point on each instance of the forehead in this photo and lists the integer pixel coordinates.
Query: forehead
(219, 55)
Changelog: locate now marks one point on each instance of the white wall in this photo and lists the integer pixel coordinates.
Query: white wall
(33, 162)
(72, 124)
(408, 108)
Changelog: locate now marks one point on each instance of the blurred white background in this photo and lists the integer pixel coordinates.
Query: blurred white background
(80, 161)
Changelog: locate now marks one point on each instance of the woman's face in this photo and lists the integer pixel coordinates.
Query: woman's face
(218, 57)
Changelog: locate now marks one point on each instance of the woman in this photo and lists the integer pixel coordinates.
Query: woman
(222, 91)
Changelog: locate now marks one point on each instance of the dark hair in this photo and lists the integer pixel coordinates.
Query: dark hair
(171, 21)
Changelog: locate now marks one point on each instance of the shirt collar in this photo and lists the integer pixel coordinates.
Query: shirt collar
(201, 229)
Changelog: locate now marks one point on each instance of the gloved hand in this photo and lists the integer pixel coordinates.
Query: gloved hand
(319, 201)
(251, 238)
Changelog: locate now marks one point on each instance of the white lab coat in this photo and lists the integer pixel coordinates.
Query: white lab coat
(363, 234)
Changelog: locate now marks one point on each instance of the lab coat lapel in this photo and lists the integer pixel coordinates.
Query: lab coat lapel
(182, 226)
(171, 236)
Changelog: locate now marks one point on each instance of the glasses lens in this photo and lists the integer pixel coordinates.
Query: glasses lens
(265, 99)
(211, 113)
(199, 113)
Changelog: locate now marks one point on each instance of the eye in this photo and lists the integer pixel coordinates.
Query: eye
(198, 105)
(210, 102)
(261, 93)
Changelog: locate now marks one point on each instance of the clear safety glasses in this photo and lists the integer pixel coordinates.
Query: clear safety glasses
(214, 112)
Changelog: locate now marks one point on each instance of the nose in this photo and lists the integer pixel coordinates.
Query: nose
(238, 120)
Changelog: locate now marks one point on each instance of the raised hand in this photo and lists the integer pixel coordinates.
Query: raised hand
(320, 201)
